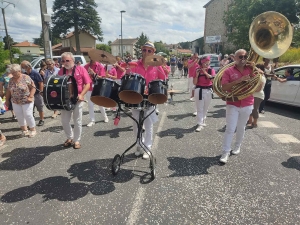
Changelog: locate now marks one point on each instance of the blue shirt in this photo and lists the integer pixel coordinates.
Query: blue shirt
(290, 78)
(49, 73)
(36, 77)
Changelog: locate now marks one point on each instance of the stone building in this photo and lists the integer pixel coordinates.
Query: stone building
(128, 46)
(214, 26)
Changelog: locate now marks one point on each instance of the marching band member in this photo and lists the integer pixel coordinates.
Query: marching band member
(192, 66)
(238, 112)
(83, 82)
(203, 90)
(95, 70)
(149, 73)
(120, 70)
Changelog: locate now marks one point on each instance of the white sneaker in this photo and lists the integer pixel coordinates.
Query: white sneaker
(199, 128)
(24, 133)
(138, 151)
(91, 124)
(157, 111)
(106, 119)
(195, 114)
(203, 124)
(224, 157)
(191, 99)
(236, 151)
(145, 156)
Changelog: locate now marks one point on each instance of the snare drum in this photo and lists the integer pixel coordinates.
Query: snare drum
(58, 92)
(132, 88)
(105, 93)
(158, 93)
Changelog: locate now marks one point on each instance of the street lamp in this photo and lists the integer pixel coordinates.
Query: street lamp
(123, 11)
(119, 46)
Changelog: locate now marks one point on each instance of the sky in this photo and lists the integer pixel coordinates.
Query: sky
(169, 21)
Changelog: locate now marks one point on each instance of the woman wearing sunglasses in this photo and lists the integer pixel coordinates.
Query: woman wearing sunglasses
(149, 73)
(203, 90)
(237, 112)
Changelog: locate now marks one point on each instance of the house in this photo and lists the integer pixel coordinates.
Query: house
(215, 31)
(28, 48)
(128, 46)
(68, 44)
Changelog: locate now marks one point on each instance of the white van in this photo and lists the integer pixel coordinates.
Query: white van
(37, 61)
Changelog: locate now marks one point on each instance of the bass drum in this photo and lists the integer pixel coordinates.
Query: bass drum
(105, 93)
(60, 92)
(132, 88)
(158, 93)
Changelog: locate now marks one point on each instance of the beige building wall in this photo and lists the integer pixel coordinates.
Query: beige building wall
(85, 40)
(29, 50)
(214, 23)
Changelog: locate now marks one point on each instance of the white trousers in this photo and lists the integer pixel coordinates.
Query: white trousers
(236, 118)
(202, 105)
(190, 85)
(77, 119)
(91, 107)
(24, 114)
(148, 125)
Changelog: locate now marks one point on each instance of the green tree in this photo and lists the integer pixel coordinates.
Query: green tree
(103, 47)
(142, 39)
(40, 40)
(238, 20)
(109, 43)
(4, 56)
(8, 41)
(160, 47)
(80, 15)
(185, 45)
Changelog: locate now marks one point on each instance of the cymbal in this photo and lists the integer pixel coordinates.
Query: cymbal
(154, 60)
(102, 56)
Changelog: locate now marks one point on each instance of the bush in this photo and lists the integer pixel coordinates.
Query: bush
(292, 55)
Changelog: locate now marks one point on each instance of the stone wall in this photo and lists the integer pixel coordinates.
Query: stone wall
(214, 23)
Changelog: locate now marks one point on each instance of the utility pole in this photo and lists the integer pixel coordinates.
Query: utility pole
(7, 39)
(46, 19)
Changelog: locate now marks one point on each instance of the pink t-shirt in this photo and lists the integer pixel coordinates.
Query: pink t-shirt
(120, 73)
(113, 71)
(192, 69)
(203, 80)
(232, 74)
(151, 73)
(81, 76)
(98, 68)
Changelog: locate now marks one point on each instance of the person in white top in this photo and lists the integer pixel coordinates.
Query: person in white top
(269, 73)
(259, 96)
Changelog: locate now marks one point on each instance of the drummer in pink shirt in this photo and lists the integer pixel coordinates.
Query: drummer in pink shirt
(83, 85)
(95, 70)
(238, 112)
(120, 70)
(149, 73)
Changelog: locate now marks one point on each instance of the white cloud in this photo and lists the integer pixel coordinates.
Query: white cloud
(170, 21)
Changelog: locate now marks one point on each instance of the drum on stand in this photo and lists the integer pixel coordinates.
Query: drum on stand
(158, 93)
(105, 93)
(132, 88)
(60, 92)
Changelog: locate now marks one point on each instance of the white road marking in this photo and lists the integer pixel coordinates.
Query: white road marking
(284, 138)
(138, 201)
(267, 124)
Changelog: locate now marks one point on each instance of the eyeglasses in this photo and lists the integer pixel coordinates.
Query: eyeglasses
(145, 50)
(63, 61)
(243, 56)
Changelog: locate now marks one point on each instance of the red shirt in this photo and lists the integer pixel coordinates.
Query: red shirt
(232, 74)
(113, 71)
(192, 69)
(151, 73)
(98, 68)
(203, 80)
(120, 73)
(81, 76)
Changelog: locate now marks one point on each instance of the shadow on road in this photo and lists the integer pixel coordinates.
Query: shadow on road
(283, 110)
(177, 132)
(191, 167)
(24, 158)
(53, 129)
(220, 113)
(180, 116)
(93, 176)
(292, 163)
(114, 133)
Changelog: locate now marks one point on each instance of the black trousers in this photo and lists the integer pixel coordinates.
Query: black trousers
(267, 91)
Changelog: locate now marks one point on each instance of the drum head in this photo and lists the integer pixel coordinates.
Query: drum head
(130, 97)
(157, 98)
(104, 101)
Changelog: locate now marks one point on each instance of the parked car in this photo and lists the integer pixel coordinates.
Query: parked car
(287, 92)
(37, 62)
(214, 61)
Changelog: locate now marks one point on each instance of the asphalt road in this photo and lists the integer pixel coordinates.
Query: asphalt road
(43, 183)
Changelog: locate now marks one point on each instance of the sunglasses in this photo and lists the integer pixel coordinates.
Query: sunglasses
(243, 56)
(63, 61)
(145, 50)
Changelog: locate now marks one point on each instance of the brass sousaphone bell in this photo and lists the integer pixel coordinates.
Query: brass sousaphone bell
(270, 35)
